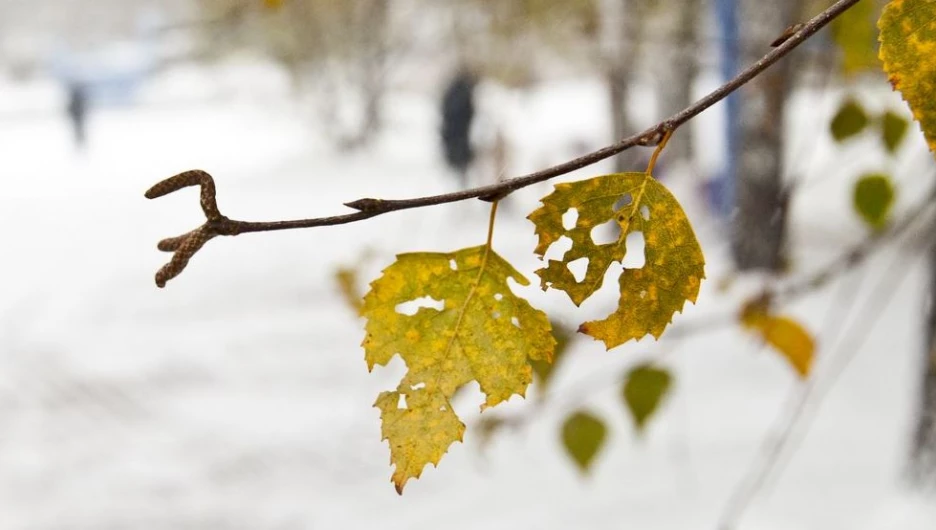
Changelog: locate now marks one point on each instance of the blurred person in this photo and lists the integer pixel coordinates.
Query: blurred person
(78, 112)
(458, 110)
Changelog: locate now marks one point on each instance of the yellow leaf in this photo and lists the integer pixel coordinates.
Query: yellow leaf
(908, 50)
(273, 4)
(630, 202)
(478, 331)
(784, 334)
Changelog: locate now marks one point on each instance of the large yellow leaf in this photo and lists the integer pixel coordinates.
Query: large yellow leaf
(483, 333)
(908, 50)
(673, 267)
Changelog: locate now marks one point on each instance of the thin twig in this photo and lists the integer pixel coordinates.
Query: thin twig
(371, 207)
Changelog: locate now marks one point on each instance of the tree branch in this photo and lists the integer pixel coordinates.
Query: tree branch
(371, 207)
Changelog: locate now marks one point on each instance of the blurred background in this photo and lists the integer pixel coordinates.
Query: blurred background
(238, 397)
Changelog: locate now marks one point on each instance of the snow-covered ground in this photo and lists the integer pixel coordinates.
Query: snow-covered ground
(238, 397)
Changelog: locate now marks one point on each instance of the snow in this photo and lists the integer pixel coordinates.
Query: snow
(237, 397)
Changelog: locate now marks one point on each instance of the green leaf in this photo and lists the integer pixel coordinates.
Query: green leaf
(893, 130)
(856, 36)
(643, 392)
(848, 121)
(583, 436)
(873, 199)
(483, 332)
(908, 50)
(628, 202)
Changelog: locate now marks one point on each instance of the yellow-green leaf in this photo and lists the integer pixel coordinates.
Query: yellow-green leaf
(855, 34)
(893, 130)
(784, 334)
(908, 50)
(583, 435)
(420, 428)
(873, 199)
(848, 121)
(482, 332)
(643, 391)
(629, 202)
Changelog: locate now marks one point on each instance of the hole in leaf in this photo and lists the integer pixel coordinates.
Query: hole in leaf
(622, 202)
(645, 212)
(569, 218)
(401, 403)
(418, 386)
(453, 265)
(495, 314)
(443, 408)
(643, 294)
(558, 249)
(515, 321)
(498, 297)
(578, 268)
(635, 258)
(606, 233)
(413, 306)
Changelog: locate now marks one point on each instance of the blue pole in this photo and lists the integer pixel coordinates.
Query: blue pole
(727, 13)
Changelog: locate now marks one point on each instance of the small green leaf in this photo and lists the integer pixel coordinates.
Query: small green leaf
(644, 390)
(873, 199)
(583, 435)
(893, 130)
(849, 121)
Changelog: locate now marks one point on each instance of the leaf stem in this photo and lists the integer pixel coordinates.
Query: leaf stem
(658, 150)
(490, 234)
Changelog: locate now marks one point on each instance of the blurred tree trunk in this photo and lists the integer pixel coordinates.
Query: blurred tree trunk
(759, 221)
(678, 66)
(374, 64)
(923, 450)
(618, 43)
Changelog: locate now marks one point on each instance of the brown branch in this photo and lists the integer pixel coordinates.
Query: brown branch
(218, 225)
